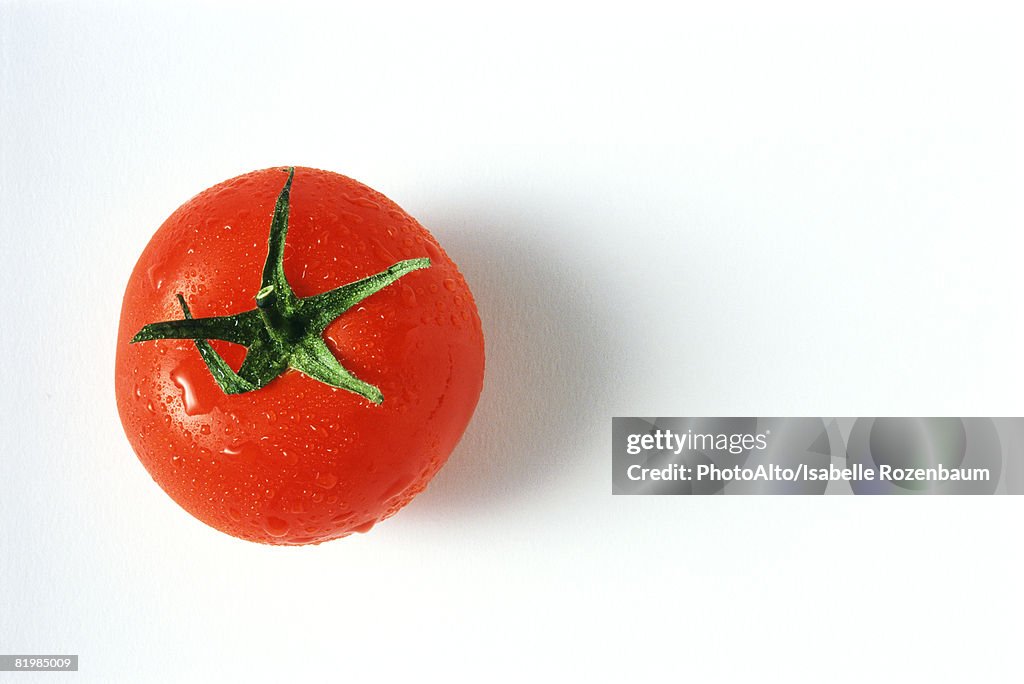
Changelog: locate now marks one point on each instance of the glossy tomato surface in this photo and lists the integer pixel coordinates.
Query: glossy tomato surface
(298, 461)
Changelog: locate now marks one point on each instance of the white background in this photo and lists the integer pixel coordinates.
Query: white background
(718, 209)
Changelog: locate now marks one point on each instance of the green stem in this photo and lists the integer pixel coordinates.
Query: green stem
(283, 331)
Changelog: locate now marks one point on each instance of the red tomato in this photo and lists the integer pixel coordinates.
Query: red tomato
(345, 404)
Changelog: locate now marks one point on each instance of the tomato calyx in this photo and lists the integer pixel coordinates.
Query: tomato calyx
(283, 331)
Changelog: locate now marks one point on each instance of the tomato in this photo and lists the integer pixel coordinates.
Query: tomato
(296, 356)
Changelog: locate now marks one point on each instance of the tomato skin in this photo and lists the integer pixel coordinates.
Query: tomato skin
(298, 461)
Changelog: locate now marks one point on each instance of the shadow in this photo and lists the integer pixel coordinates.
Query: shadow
(548, 348)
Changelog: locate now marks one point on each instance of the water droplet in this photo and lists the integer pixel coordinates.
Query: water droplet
(432, 251)
(275, 527)
(362, 202)
(326, 480)
(408, 296)
(196, 401)
(398, 486)
(156, 278)
(364, 527)
(242, 451)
